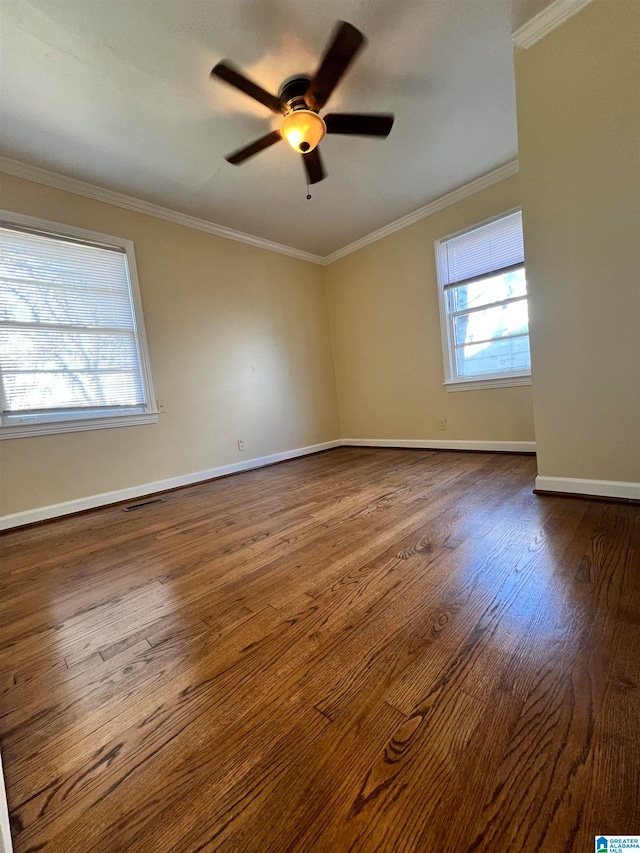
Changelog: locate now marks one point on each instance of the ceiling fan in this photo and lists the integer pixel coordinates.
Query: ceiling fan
(300, 99)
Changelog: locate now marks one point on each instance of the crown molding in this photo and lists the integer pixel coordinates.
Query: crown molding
(72, 185)
(444, 201)
(547, 21)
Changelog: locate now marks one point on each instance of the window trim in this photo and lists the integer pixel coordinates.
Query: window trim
(452, 382)
(75, 422)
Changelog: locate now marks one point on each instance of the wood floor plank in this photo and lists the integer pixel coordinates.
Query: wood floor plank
(319, 779)
(362, 650)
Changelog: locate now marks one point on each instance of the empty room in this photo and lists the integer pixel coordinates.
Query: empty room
(319, 426)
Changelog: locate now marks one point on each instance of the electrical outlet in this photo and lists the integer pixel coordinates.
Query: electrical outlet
(162, 405)
(240, 444)
(442, 423)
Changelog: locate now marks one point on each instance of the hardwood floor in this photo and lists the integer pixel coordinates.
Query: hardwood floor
(362, 650)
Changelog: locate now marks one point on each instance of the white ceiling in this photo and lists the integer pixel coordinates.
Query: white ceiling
(117, 93)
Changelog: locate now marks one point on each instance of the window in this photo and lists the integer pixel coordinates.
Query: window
(483, 305)
(72, 345)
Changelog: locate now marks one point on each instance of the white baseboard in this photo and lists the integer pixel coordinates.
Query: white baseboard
(5, 832)
(443, 444)
(597, 488)
(54, 510)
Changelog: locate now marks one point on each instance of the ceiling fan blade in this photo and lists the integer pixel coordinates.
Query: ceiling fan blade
(357, 124)
(255, 147)
(313, 166)
(225, 71)
(345, 42)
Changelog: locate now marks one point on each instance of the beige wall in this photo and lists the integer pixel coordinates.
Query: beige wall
(387, 344)
(239, 344)
(578, 96)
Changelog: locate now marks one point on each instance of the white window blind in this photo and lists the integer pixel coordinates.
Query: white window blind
(487, 248)
(69, 343)
(483, 302)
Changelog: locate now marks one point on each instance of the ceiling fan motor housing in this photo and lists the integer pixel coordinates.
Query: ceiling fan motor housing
(293, 90)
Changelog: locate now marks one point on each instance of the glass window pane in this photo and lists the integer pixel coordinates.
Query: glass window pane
(50, 369)
(487, 290)
(46, 349)
(498, 356)
(509, 319)
(49, 390)
(36, 302)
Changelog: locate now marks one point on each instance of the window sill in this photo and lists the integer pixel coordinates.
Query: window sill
(53, 427)
(479, 384)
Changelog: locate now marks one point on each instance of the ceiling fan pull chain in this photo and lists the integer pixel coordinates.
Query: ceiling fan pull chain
(308, 193)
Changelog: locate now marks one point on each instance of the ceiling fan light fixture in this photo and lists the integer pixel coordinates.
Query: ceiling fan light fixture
(303, 130)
